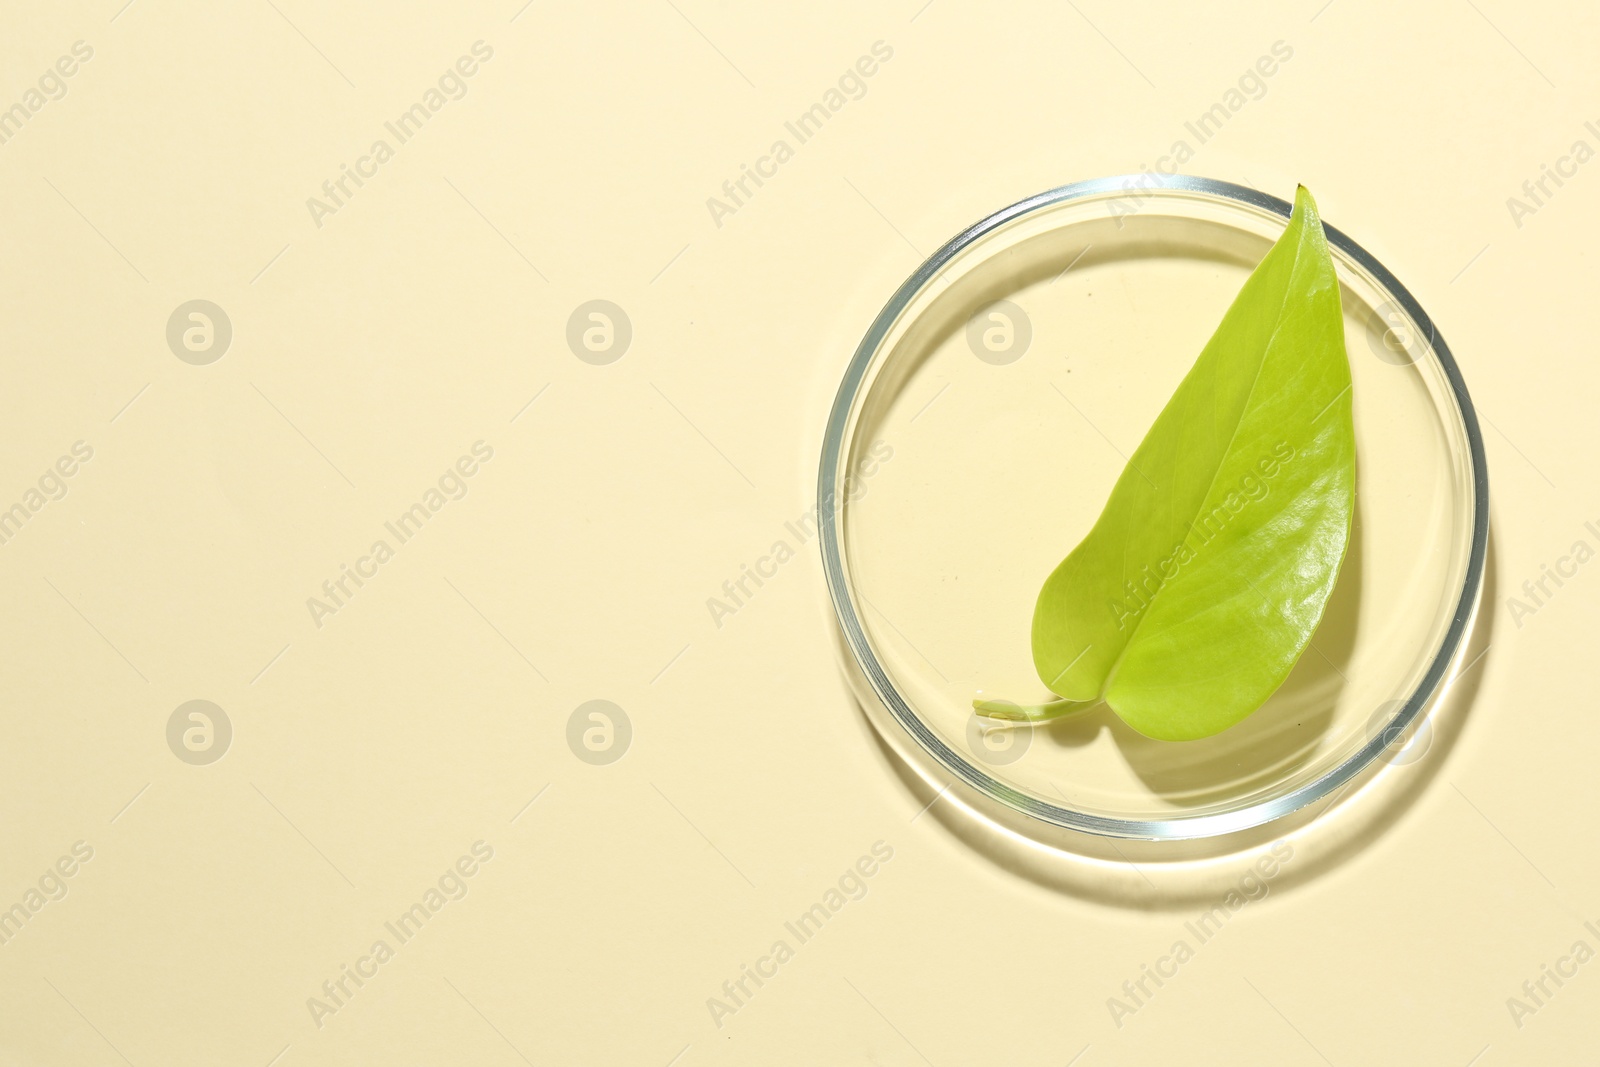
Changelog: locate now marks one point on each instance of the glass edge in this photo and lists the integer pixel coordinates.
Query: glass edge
(1212, 825)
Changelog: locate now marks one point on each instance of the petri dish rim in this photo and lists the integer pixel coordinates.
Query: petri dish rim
(1177, 828)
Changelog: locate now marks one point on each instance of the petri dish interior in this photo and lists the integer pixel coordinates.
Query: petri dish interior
(977, 435)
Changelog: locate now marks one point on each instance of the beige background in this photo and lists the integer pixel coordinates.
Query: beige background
(370, 352)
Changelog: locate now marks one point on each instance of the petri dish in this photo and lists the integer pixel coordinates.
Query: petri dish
(975, 438)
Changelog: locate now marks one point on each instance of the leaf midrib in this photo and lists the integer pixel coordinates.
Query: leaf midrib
(1244, 410)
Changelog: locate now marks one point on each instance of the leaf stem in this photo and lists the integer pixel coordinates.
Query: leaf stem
(1010, 711)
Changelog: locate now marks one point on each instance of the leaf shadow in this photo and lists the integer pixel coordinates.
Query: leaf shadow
(1284, 733)
(1166, 877)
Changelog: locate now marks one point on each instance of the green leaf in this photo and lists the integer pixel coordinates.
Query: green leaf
(1199, 586)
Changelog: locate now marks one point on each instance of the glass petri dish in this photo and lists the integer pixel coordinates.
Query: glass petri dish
(976, 436)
